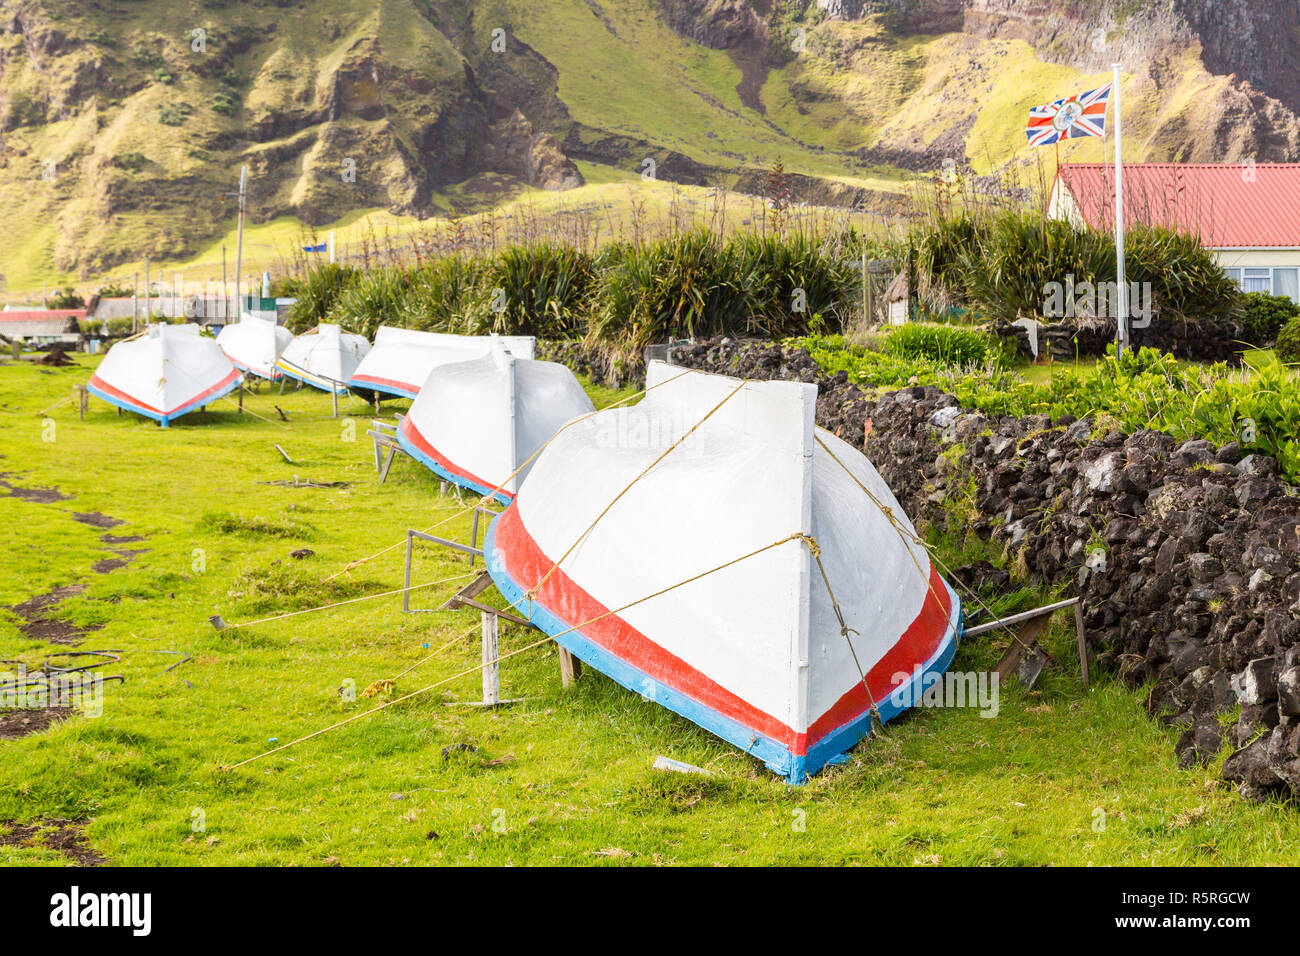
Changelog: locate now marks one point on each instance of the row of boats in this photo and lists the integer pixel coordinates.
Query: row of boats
(708, 547)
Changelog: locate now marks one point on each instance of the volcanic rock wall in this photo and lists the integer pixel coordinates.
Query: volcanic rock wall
(1186, 556)
(1206, 340)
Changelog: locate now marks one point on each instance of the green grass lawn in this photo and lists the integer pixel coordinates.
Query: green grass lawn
(1058, 777)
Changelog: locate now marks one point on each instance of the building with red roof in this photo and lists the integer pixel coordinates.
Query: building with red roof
(1247, 213)
(42, 326)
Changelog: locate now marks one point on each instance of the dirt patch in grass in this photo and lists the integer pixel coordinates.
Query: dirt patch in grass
(43, 496)
(124, 557)
(121, 538)
(40, 627)
(96, 519)
(31, 608)
(20, 723)
(64, 836)
(57, 632)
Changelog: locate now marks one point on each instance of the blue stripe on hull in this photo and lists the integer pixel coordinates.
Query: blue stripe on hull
(166, 419)
(444, 474)
(776, 756)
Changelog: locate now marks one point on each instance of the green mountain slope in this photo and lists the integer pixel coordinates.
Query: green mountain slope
(123, 122)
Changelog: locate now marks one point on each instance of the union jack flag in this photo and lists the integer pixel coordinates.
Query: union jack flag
(1074, 116)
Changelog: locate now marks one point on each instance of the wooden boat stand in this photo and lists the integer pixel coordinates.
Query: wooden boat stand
(570, 666)
(1025, 658)
(385, 437)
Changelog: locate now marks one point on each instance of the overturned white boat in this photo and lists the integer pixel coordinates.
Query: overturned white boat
(401, 359)
(255, 344)
(477, 423)
(165, 372)
(324, 357)
(700, 586)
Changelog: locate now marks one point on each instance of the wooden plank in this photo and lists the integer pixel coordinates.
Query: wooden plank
(488, 609)
(471, 590)
(570, 668)
(1082, 641)
(1023, 648)
(392, 452)
(1046, 609)
(491, 669)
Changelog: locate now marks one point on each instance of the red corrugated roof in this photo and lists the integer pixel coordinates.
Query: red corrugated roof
(42, 315)
(1226, 204)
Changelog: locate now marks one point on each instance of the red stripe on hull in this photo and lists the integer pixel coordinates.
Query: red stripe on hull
(526, 564)
(103, 386)
(390, 382)
(413, 434)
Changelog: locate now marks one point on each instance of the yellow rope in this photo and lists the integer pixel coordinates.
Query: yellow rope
(889, 514)
(877, 722)
(502, 657)
(365, 597)
(486, 499)
(62, 401)
(424, 660)
(533, 590)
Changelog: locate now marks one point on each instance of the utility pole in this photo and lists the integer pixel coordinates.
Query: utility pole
(225, 289)
(135, 302)
(148, 315)
(239, 241)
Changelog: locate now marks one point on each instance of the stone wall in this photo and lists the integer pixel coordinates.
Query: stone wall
(1186, 556)
(1204, 340)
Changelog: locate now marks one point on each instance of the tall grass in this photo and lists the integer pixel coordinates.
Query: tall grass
(376, 298)
(999, 262)
(316, 294)
(536, 289)
(696, 282)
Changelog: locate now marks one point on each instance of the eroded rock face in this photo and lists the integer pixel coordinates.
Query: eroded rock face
(1186, 556)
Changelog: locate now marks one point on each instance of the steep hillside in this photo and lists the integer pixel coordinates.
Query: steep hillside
(123, 122)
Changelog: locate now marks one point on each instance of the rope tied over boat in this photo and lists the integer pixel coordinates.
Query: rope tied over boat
(815, 549)
(490, 497)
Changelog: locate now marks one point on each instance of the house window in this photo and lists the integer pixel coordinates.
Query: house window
(1276, 281)
(1287, 282)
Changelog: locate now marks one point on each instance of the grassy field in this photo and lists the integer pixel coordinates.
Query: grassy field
(1057, 777)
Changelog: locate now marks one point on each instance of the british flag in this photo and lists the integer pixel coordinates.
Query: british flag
(1074, 116)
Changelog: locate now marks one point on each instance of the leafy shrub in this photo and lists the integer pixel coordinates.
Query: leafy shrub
(680, 286)
(131, 161)
(225, 103)
(695, 284)
(944, 344)
(174, 114)
(317, 294)
(1288, 341)
(66, 298)
(536, 289)
(441, 295)
(1010, 261)
(1001, 264)
(1264, 316)
(373, 299)
(1186, 280)
(796, 271)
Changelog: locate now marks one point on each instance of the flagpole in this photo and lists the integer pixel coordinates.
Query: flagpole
(1121, 284)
